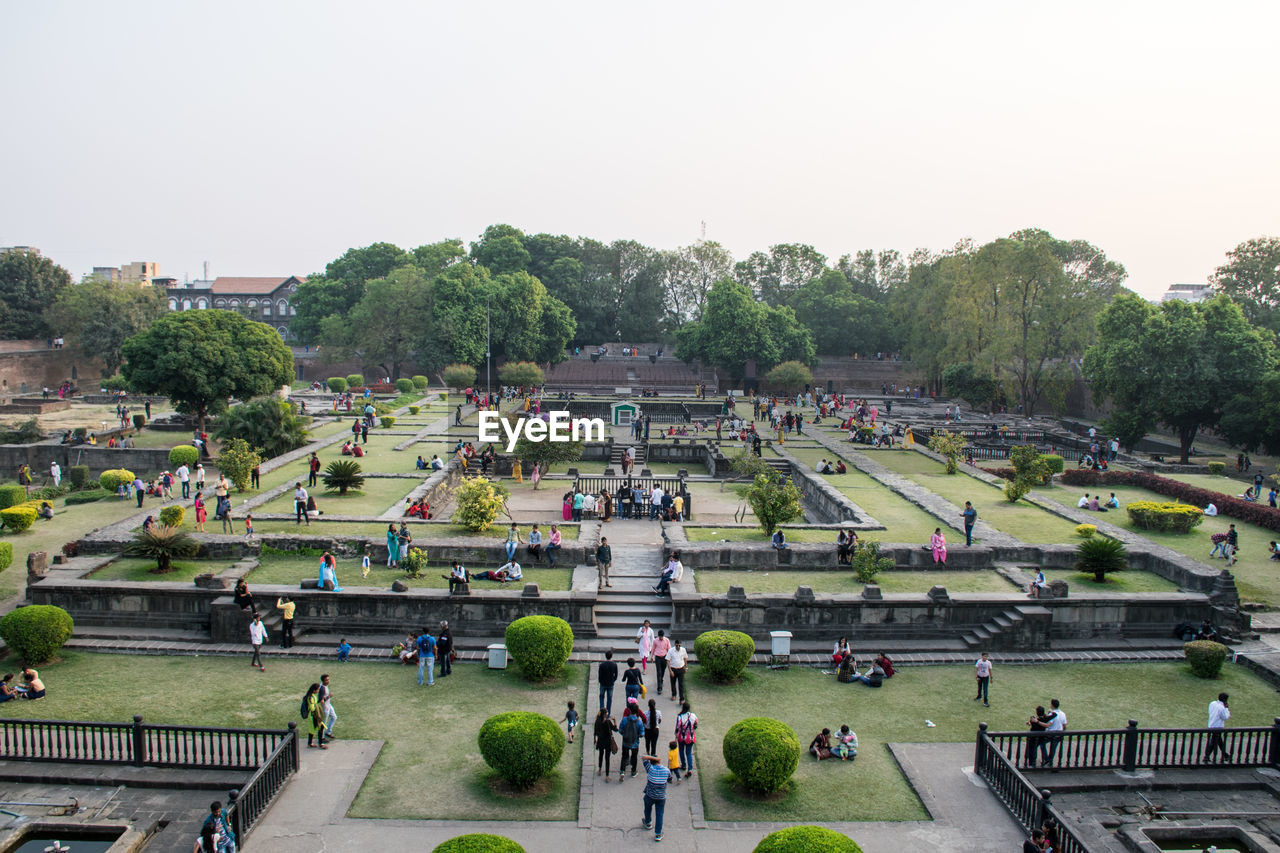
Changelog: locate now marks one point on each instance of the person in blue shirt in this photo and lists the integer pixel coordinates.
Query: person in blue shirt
(779, 540)
(970, 518)
(344, 649)
(426, 657)
(655, 794)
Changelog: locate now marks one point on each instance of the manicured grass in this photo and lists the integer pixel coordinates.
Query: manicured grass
(718, 581)
(290, 569)
(376, 496)
(1127, 581)
(137, 569)
(755, 534)
(1225, 485)
(425, 730)
(421, 532)
(872, 788)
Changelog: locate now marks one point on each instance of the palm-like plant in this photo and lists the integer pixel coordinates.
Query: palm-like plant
(1099, 555)
(163, 544)
(342, 475)
(268, 423)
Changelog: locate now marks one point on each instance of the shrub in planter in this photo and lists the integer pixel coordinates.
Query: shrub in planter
(184, 454)
(478, 502)
(36, 631)
(387, 421)
(1217, 468)
(6, 555)
(1100, 555)
(1167, 517)
(342, 475)
(540, 645)
(867, 562)
(404, 386)
(112, 479)
(1015, 490)
(139, 421)
(87, 496)
(479, 842)
(1206, 657)
(337, 384)
(762, 753)
(1084, 531)
(18, 518)
(355, 380)
(172, 516)
(163, 544)
(724, 655)
(521, 746)
(420, 382)
(1055, 462)
(807, 839)
(78, 475)
(413, 410)
(12, 496)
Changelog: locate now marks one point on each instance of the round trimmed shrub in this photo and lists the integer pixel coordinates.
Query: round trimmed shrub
(139, 421)
(521, 746)
(807, 839)
(762, 753)
(479, 842)
(336, 384)
(355, 380)
(78, 475)
(1166, 517)
(1055, 462)
(6, 555)
(18, 518)
(420, 382)
(724, 655)
(387, 421)
(1084, 531)
(172, 515)
(1206, 657)
(1217, 467)
(540, 645)
(404, 386)
(12, 496)
(112, 479)
(413, 410)
(36, 631)
(184, 454)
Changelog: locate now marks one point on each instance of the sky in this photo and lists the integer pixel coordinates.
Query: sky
(268, 138)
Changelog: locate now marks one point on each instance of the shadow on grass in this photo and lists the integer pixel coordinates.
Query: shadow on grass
(735, 792)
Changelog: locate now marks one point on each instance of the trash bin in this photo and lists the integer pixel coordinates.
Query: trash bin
(498, 656)
(781, 642)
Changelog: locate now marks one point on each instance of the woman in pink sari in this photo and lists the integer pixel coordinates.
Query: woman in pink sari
(566, 509)
(938, 543)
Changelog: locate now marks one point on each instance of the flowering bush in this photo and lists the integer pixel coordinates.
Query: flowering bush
(1084, 531)
(1169, 517)
(1232, 507)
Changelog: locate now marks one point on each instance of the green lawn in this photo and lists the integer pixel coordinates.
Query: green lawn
(425, 730)
(1128, 581)
(290, 569)
(137, 569)
(376, 496)
(421, 532)
(872, 788)
(785, 582)
(755, 534)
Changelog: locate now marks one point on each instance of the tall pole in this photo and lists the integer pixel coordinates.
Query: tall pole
(488, 354)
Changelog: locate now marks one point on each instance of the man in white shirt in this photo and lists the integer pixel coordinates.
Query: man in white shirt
(511, 572)
(1211, 509)
(55, 471)
(300, 504)
(184, 477)
(1083, 503)
(655, 502)
(982, 672)
(1218, 716)
(677, 659)
(1053, 734)
(257, 636)
(436, 464)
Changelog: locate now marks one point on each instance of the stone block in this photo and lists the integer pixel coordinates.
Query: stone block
(531, 591)
(1058, 589)
(737, 593)
(462, 589)
(209, 580)
(59, 559)
(804, 594)
(398, 585)
(37, 565)
(871, 592)
(939, 594)
(309, 583)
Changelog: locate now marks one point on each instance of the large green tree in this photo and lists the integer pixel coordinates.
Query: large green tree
(689, 273)
(841, 320)
(268, 424)
(735, 328)
(1176, 364)
(1251, 279)
(29, 283)
(776, 275)
(343, 283)
(202, 359)
(386, 325)
(97, 316)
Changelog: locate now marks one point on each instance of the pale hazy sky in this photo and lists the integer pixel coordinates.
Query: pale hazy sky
(268, 137)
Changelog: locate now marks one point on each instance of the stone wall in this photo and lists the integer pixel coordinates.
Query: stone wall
(26, 372)
(823, 502)
(138, 460)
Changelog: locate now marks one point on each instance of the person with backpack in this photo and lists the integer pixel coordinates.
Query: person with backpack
(632, 730)
(427, 657)
(310, 710)
(686, 737)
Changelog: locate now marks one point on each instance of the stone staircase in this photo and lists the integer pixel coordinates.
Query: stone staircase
(782, 466)
(615, 455)
(988, 635)
(622, 608)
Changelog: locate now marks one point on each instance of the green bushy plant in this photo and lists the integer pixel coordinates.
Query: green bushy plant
(1217, 468)
(404, 386)
(540, 645)
(25, 433)
(12, 496)
(48, 493)
(867, 561)
(724, 655)
(1015, 490)
(413, 410)
(112, 480)
(1167, 517)
(18, 518)
(949, 445)
(521, 746)
(342, 475)
(36, 631)
(1101, 555)
(420, 382)
(78, 475)
(414, 563)
(139, 421)
(172, 515)
(479, 842)
(1206, 657)
(163, 544)
(387, 421)
(237, 461)
(184, 454)
(115, 382)
(520, 373)
(1055, 462)
(6, 555)
(355, 380)
(1084, 531)
(478, 502)
(337, 384)
(762, 753)
(773, 502)
(458, 376)
(86, 496)
(807, 839)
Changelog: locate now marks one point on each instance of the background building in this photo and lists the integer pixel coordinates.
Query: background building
(265, 299)
(1188, 292)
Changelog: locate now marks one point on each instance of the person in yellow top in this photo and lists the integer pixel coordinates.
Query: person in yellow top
(677, 503)
(286, 608)
(526, 403)
(673, 761)
(516, 473)
(909, 439)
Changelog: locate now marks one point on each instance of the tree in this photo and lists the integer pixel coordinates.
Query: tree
(316, 299)
(201, 359)
(388, 322)
(736, 328)
(267, 423)
(1177, 364)
(773, 502)
(963, 380)
(97, 316)
(435, 258)
(689, 274)
(790, 376)
(29, 283)
(776, 276)
(478, 502)
(949, 445)
(1029, 466)
(874, 274)
(358, 266)
(1251, 279)
(342, 475)
(237, 461)
(458, 376)
(163, 544)
(544, 454)
(523, 374)
(840, 320)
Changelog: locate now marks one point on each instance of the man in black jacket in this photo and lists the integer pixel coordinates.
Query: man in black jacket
(608, 676)
(444, 649)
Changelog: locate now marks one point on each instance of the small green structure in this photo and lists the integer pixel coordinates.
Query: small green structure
(624, 413)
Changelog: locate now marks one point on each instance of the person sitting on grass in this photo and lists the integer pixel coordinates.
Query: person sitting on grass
(46, 509)
(873, 677)
(32, 687)
(841, 651)
(825, 468)
(420, 464)
(407, 650)
(346, 449)
(507, 573)
(1274, 550)
(7, 690)
(846, 744)
(1113, 502)
(1094, 506)
(886, 665)
(840, 467)
(1250, 495)
(820, 746)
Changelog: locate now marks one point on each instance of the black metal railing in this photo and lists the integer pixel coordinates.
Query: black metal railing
(66, 740)
(594, 485)
(249, 803)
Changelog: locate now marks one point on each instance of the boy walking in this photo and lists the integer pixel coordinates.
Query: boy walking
(982, 672)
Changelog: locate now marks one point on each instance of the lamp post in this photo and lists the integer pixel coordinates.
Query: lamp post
(488, 354)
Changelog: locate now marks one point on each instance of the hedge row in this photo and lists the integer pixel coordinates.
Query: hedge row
(1233, 507)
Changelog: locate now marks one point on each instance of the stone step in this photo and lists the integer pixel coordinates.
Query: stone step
(1003, 622)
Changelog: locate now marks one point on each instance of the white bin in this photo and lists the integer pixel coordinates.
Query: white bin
(781, 643)
(498, 656)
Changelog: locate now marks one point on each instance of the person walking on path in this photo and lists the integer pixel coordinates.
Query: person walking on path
(938, 544)
(393, 546)
(55, 471)
(325, 697)
(312, 711)
(655, 793)
(427, 657)
(633, 680)
(257, 636)
(184, 477)
(631, 730)
(652, 722)
(644, 644)
(201, 512)
(686, 737)
(287, 608)
(608, 676)
(970, 518)
(661, 646)
(313, 470)
(982, 672)
(300, 505)
(677, 659)
(606, 746)
(1233, 544)
(1218, 716)
(444, 649)
(604, 560)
